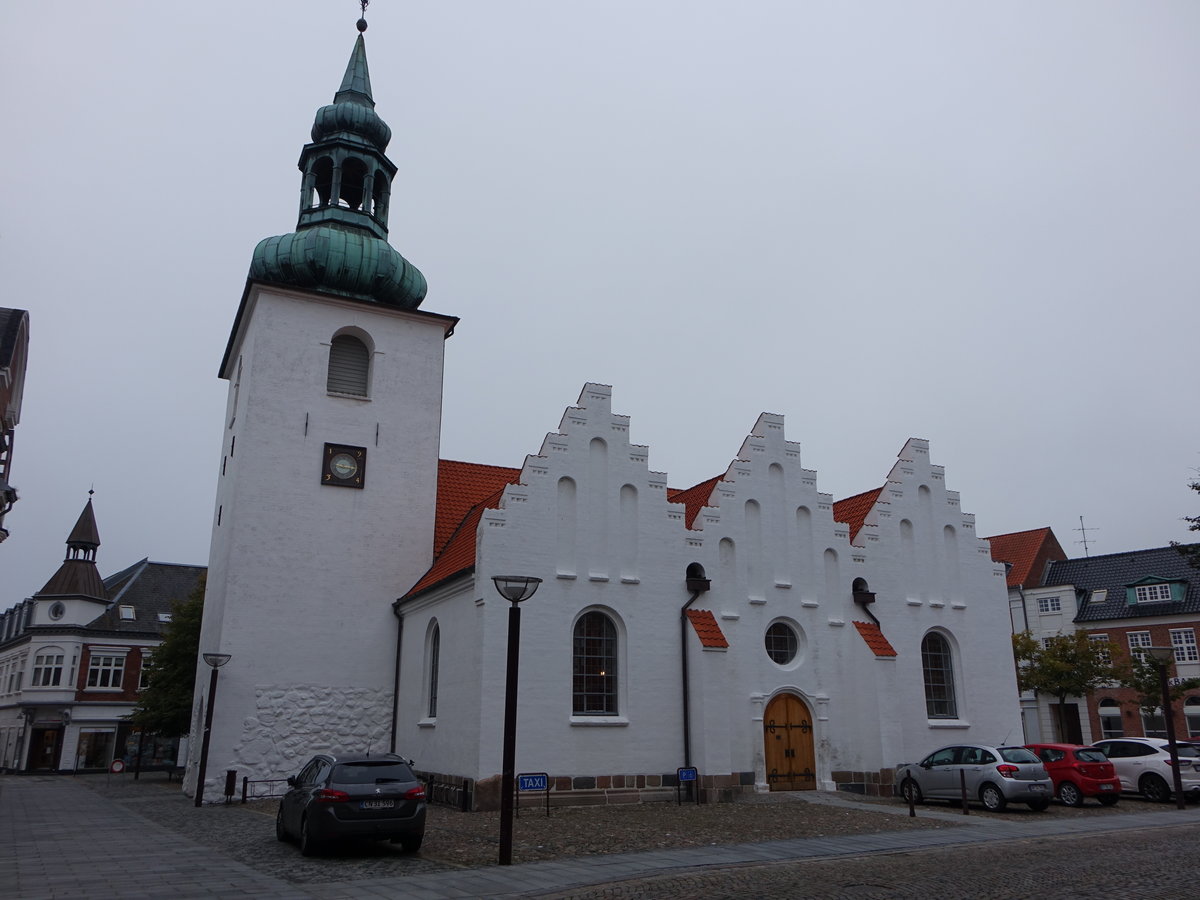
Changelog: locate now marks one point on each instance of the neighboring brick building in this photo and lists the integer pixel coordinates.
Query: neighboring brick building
(74, 656)
(1138, 599)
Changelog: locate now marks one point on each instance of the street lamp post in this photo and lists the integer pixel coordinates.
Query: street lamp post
(215, 660)
(1162, 657)
(515, 589)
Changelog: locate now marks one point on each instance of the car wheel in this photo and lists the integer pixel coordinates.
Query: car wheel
(909, 787)
(1069, 794)
(993, 798)
(1154, 788)
(411, 844)
(308, 846)
(1040, 805)
(1108, 799)
(280, 832)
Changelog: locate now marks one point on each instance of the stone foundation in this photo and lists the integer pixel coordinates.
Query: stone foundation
(871, 784)
(611, 790)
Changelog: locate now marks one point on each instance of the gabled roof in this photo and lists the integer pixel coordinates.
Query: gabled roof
(461, 485)
(873, 635)
(10, 326)
(707, 628)
(1027, 553)
(694, 498)
(151, 588)
(853, 510)
(465, 490)
(1115, 572)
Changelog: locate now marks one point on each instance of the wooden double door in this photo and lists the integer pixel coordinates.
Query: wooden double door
(788, 743)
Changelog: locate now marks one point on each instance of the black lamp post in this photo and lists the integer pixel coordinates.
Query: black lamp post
(515, 589)
(1162, 657)
(216, 660)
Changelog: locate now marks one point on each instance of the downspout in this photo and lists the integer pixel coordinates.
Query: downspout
(697, 584)
(396, 678)
(865, 599)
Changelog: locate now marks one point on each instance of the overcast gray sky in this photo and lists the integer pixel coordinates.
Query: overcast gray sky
(975, 223)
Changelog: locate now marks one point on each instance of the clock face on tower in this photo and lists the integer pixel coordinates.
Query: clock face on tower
(344, 466)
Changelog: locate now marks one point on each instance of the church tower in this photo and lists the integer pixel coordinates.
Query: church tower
(328, 473)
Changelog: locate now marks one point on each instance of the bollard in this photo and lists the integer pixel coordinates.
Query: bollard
(962, 778)
(230, 785)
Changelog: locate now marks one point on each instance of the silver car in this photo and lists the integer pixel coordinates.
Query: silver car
(995, 776)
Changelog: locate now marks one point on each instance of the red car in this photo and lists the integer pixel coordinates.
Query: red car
(1079, 772)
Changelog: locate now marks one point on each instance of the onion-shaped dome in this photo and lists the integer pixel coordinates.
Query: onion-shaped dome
(347, 263)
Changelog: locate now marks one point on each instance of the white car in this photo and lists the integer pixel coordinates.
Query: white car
(1144, 766)
(995, 776)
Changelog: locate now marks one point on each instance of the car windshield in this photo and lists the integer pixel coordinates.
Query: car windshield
(382, 772)
(1091, 755)
(1017, 755)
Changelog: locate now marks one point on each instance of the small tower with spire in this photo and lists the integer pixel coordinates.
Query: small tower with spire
(327, 481)
(74, 592)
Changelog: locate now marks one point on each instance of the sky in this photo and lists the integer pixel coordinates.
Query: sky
(974, 223)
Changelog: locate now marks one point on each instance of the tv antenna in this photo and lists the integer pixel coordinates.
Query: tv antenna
(1083, 530)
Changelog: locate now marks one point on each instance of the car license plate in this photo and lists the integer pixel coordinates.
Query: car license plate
(378, 804)
(1106, 787)
(1037, 787)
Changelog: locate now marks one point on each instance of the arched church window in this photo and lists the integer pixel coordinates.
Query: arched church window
(938, 666)
(349, 366)
(594, 666)
(435, 651)
(354, 181)
(323, 180)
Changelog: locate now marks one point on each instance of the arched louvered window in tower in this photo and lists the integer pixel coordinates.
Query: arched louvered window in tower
(349, 366)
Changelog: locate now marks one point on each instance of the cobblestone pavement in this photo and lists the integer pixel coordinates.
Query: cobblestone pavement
(1156, 864)
(68, 837)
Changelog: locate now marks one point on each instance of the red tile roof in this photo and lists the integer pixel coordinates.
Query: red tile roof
(707, 629)
(461, 485)
(693, 499)
(853, 510)
(879, 645)
(465, 490)
(1028, 553)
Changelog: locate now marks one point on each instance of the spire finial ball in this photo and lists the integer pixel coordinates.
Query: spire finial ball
(362, 25)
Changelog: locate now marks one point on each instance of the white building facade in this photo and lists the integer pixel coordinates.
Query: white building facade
(824, 642)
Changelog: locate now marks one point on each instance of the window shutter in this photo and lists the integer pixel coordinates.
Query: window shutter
(349, 362)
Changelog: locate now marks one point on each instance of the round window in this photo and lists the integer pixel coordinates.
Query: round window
(781, 643)
(57, 610)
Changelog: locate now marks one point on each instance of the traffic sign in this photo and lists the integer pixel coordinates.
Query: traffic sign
(533, 781)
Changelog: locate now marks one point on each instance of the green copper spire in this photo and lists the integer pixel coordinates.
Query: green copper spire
(340, 242)
(356, 83)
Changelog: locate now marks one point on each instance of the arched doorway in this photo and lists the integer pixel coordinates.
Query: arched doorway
(788, 745)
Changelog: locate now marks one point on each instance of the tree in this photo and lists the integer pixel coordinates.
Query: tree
(1065, 665)
(165, 706)
(1191, 551)
(1140, 674)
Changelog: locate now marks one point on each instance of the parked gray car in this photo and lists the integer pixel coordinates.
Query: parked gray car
(995, 776)
(338, 796)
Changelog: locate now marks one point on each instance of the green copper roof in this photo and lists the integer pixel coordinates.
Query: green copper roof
(349, 263)
(339, 245)
(356, 83)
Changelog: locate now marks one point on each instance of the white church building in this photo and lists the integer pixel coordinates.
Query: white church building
(749, 626)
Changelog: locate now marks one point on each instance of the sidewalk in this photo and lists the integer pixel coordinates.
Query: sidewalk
(60, 839)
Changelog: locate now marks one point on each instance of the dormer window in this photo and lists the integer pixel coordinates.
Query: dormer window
(128, 614)
(1155, 590)
(165, 618)
(1152, 593)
